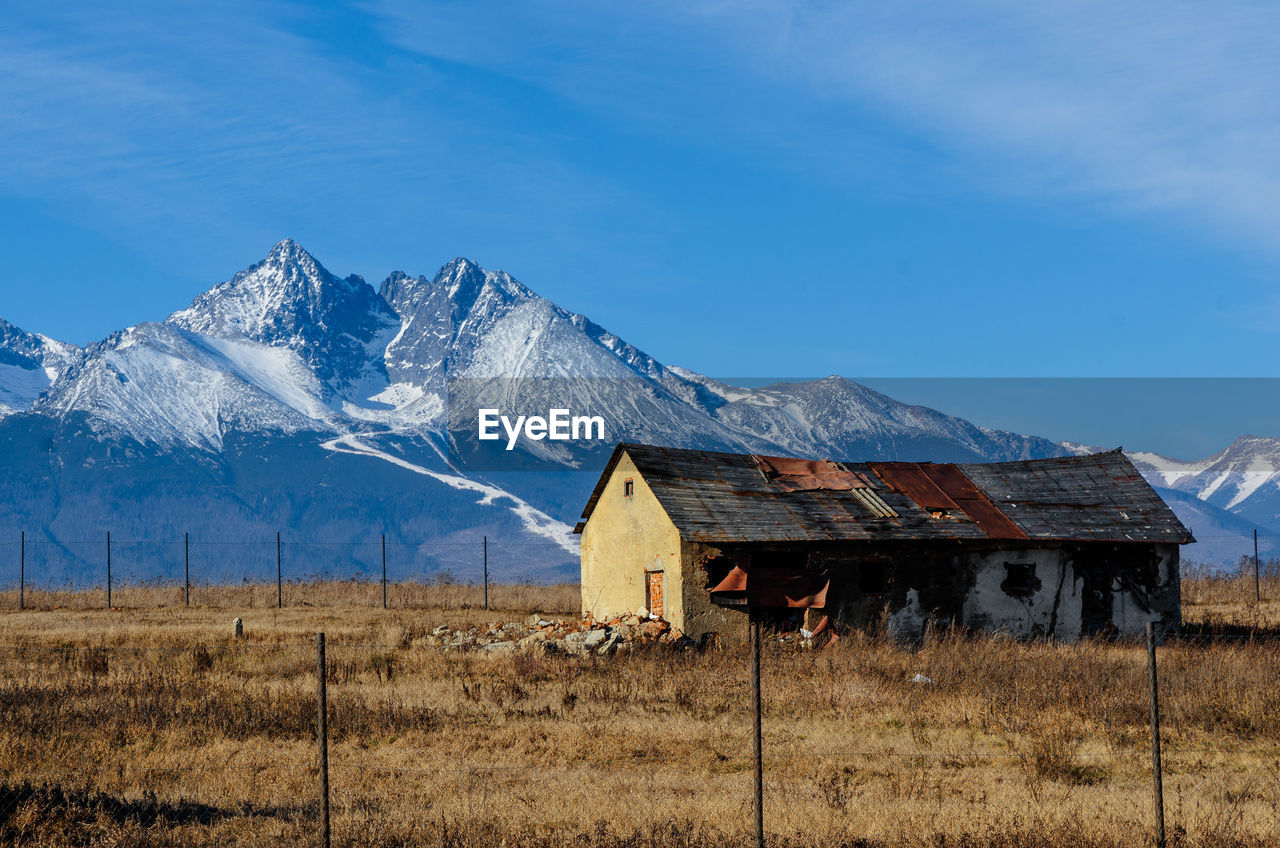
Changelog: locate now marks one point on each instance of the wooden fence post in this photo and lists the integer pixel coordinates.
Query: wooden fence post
(186, 545)
(279, 581)
(22, 573)
(486, 572)
(1156, 771)
(384, 570)
(108, 569)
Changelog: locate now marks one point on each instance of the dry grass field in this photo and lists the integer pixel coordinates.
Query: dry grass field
(151, 725)
(1230, 600)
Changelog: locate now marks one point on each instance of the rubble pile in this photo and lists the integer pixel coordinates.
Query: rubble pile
(574, 637)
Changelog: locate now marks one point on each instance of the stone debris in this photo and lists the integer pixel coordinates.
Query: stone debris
(610, 645)
(573, 637)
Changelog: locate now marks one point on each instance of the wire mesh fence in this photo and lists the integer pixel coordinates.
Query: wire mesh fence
(157, 737)
(281, 571)
(131, 573)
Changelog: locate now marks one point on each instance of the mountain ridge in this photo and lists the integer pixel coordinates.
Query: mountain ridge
(1243, 477)
(30, 364)
(287, 353)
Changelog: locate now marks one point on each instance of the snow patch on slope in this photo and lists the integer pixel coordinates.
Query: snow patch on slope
(19, 387)
(1163, 471)
(276, 371)
(1079, 448)
(29, 364)
(534, 520)
(1244, 478)
(160, 385)
(1256, 473)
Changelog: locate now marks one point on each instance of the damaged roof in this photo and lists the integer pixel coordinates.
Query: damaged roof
(730, 497)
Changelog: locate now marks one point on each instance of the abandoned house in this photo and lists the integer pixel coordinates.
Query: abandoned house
(1063, 547)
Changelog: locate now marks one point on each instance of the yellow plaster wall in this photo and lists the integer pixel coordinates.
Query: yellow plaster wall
(624, 538)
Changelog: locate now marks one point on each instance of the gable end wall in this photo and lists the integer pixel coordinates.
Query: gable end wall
(624, 538)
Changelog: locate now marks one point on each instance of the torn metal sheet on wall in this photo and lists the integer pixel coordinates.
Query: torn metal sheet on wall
(793, 588)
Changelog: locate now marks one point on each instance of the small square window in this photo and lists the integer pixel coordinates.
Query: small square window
(628, 488)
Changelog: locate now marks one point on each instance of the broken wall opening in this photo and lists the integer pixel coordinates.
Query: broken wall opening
(1110, 569)
(1021, 580)
(864, 582)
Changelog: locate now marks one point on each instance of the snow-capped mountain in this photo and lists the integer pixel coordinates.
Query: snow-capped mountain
(285, 347)
(1244, 478)
(1222, 537)
(472, 338)
(29, 365)
(173, 389)
(836, 416)
(338, 327)
(288, 398)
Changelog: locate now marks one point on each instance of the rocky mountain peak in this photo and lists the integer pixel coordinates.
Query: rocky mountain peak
(461, 280)
(289, 251)
(290, 300)
(401, 290)
(29, 365)
(18, 347)
(454, 289)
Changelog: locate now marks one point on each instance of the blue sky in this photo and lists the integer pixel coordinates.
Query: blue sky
(994, 189)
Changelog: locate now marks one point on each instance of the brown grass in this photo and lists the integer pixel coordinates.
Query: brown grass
(337, 594)
(153, 726)
(1231, 600)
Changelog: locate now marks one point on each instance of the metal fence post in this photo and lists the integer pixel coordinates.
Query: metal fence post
(108, 569)
(279, 580)
(1157, 777)
(486, 572)
(384, 570)
(322, 739)
(22, 572)
(757, 746)
(1257, 588)
(186, 545)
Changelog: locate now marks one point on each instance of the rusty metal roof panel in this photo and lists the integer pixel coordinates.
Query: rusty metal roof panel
(943, 487)
(910, 479)
(807, 475)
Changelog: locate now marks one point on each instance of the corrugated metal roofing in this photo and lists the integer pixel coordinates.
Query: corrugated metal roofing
(725, 497)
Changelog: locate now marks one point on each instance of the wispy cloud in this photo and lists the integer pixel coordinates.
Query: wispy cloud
(694, 148)
(231, 121)
(209, 112)
(173, 104)
(1168, 106)
(1171, 108)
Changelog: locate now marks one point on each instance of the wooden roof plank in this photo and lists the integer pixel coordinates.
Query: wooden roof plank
(725, 497)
